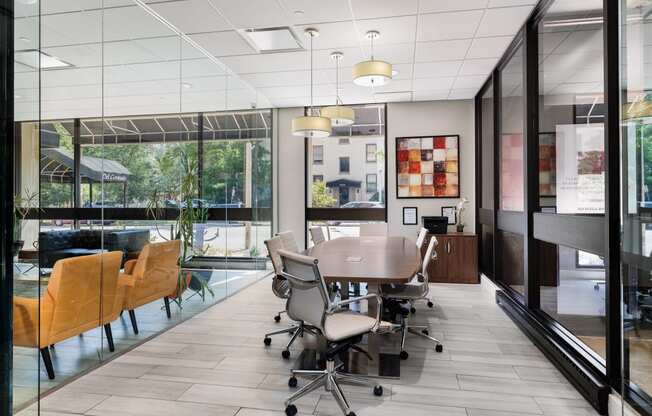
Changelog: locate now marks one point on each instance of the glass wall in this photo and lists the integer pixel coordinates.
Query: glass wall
(149, 148)
(487, 193)
(636, 156)
(572, 162)
(346, 174)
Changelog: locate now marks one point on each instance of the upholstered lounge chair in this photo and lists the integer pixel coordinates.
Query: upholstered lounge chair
(82, 294)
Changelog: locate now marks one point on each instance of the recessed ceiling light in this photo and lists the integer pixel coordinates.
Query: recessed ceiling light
(18, 97)
(298, 12)
(37, 59)
(24, 39)
(186, 85)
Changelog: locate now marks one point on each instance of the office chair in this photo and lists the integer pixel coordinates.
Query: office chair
(421, 238)
(281, 289)
(310, 302)
(416, 289)
(317, 235)
(289, 242)
(377, 229)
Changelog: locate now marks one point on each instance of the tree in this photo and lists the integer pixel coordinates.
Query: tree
(320, 196)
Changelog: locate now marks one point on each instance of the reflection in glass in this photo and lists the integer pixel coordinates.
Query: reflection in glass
(571, 108)
(636, 196)
(510, 261)
(511, 133)
(487, 148)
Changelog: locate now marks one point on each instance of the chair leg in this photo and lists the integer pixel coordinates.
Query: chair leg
(47, 360)
(167, 307)
(339, 396)
(134, 324)
(109, 337)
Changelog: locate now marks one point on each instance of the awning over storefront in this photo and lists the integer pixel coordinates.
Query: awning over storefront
(343, 183)
(57, 165)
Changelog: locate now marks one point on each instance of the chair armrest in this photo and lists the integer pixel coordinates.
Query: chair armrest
(379, 308)
(130, 265)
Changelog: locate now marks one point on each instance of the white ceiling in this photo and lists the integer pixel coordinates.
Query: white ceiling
(127, 62)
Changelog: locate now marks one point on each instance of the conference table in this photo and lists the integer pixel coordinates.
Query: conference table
(374, 261)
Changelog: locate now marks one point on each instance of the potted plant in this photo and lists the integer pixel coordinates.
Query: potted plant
(461, 207)
(190, 213)
(22, 205)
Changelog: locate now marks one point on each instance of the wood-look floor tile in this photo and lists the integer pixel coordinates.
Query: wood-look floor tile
(327, 406)
(135, 406)
(519, 387)
(120, 386)
(205, 376)
(69, 401)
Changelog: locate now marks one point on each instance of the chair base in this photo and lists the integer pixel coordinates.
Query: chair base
(295, 330)
(330, 379)
(418, 330)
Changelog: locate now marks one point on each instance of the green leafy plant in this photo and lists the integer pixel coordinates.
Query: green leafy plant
(22, 205)
(320, 196)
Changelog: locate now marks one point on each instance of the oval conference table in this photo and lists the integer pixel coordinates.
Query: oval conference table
(374, 261)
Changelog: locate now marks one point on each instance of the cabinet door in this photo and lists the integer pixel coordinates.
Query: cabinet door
(462, 260)
(438, 270)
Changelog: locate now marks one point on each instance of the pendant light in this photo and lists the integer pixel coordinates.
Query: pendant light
(340, 115)
(372, 73)
(311, 125)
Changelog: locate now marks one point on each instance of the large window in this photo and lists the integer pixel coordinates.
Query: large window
(347, 182)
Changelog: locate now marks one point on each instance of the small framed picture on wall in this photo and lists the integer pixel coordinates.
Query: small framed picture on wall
(410, 216)
(450, 213)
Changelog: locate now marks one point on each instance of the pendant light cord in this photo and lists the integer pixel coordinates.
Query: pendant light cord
(372, 47)
(337, 81)
(311, 103)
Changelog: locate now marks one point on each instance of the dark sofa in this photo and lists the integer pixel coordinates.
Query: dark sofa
(61, 244)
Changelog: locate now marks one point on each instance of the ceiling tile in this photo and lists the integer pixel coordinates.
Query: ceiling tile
(510, 3)
(488, 47)
(223, 43)
(443, 50)
(442, 26)
(433, 83)
(252, 13)
(469, 81)
(428, 95)
(503, 21)
(478, 66)
(369, 9)
(317, 11)
(429, 6)
(331, 35)
(192, 16)
(124, 23)
(462, 93)
(392, 30)
(437, 69)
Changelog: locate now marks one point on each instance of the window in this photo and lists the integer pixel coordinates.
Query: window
(318, 178)
(318, 154)
(372, 183)
(345, 163)
(344, 141)
(371, 149)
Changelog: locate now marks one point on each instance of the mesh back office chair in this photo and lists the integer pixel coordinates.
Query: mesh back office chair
(416, 289)
(421, 238)
(378, 229)
(289, 242)
(311, 304)
(281, 289)
(317, 235)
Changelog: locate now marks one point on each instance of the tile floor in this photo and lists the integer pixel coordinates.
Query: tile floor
(215, 364)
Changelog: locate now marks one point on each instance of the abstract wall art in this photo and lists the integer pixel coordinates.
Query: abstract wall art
(428, 167)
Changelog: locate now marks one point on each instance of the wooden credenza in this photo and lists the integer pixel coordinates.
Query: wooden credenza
(457, 258)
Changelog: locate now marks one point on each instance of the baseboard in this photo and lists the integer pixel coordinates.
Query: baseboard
(585, 379)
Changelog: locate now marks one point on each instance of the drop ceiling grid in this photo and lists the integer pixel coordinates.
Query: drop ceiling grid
(440, 63)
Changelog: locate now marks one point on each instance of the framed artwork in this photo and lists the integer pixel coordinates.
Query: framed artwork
(547, 165)
(410, 216)
(428, 167)
(450, 213)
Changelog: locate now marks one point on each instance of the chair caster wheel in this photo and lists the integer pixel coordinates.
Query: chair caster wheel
(425, 332)
(291, 410)
(351, 414)
(267, 341)
(378, 391)
(277, 318)
(439, 348)
(413, 310)
(430, 304)
(292, 382)
(404, 355)
(285, 354)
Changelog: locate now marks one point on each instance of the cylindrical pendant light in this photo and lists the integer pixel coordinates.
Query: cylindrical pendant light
(340, 115)
(311, 125)
(372, 73)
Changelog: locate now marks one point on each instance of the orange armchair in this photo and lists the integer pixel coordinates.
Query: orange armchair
(154, 275)
(82, 294)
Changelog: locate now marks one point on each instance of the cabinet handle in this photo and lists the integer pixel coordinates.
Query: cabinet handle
(448, 246)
